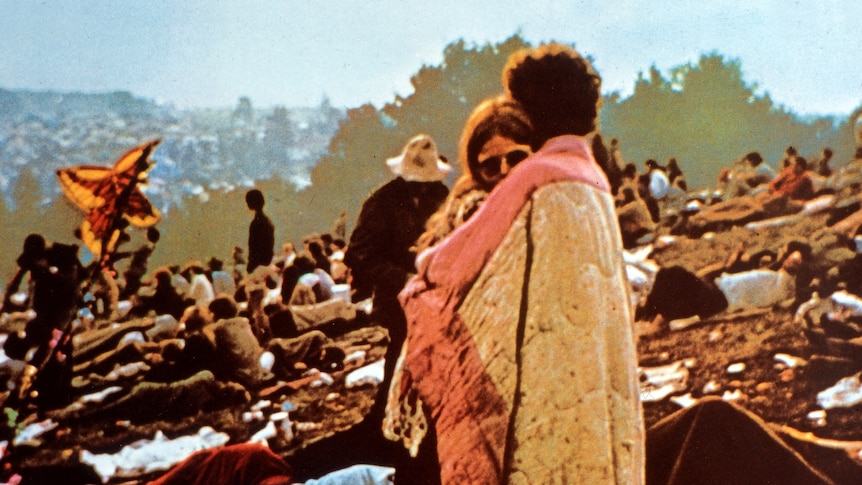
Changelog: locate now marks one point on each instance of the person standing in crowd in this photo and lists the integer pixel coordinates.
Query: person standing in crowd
(57, 275)
(339, 227)
(381, 250)
(138, 264)
(261, 232)
(547, 234)
(609, 165)
(675, 175)
(380, 256)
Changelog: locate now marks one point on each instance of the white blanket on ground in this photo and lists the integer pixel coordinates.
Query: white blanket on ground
(160, 453)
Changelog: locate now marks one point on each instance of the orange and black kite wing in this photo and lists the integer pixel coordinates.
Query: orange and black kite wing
(106, 195)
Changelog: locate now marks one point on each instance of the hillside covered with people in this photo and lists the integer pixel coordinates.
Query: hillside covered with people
(286, 295)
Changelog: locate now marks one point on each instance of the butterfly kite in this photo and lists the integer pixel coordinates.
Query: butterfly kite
(111, 197)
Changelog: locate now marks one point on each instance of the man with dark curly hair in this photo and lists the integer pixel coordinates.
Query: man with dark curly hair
(557, 88)
(592, 342)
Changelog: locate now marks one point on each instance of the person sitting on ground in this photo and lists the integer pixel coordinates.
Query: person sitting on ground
(315, 249)
(238, 265)
(325, 240)
(313, 285)
(787, 161)
(760, 173)
(222, 281)
(288, 253)
(164, 299)
(198, 350)
(658, 179)
(239, 352)
(793, 182)
(745, 176)
(634, 217)
(255, 311)
(629, 179)
(200, 289)
(784, 195)
(822, 168)
(302, 264)
(338, 247)
(138, 264)
(340, 272)
(673, 204)
(675, 175)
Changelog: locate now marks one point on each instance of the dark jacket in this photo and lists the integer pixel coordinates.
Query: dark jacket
(261, 240)
(380, 253)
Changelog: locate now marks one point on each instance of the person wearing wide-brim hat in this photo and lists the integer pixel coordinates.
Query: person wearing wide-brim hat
(380, 255)
(393, 217)
(420, 162)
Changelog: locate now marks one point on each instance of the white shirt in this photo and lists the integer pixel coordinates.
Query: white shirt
(658, 183)
(202, 290)
(759, 288)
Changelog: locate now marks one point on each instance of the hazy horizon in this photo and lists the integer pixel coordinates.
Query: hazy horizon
(211, 53)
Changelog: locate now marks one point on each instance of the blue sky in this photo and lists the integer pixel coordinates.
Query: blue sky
(806, 54)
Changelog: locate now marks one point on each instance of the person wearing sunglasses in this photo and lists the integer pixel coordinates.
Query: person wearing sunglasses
(495, 139)
(519, 332)
(500, 155)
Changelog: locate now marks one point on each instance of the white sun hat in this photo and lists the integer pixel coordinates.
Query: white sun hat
(420, 162)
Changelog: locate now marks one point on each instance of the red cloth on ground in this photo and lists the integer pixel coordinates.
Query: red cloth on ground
(246, 464)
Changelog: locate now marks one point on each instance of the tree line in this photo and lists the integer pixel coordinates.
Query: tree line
(704, 114)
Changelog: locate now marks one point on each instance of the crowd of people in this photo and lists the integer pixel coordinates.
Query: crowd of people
(749, 193)
(657, 201)
(473, 286)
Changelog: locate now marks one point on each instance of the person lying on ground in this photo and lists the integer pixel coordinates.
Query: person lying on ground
(678, 293)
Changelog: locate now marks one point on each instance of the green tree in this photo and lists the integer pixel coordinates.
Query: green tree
(706, 115)
(26, 212)
(442, 99)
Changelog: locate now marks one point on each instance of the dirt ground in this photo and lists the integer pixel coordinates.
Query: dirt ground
(780, 395)
(777, 394)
